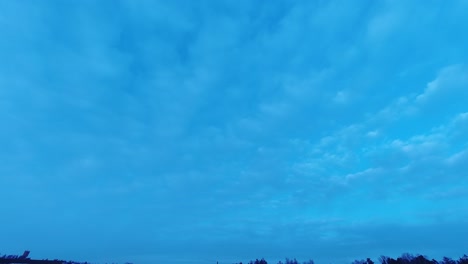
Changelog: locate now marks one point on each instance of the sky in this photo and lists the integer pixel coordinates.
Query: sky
(228, 130)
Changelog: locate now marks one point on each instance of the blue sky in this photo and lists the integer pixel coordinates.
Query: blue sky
(196, 131)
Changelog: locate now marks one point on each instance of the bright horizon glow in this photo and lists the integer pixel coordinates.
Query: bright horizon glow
(203, 131)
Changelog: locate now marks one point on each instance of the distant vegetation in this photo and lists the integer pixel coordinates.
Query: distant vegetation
(406, 258)
(20, 259)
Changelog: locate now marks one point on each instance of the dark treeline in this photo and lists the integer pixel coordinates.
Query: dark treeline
(406, 258)
(38, 261)
(24, 259)
(14, 259)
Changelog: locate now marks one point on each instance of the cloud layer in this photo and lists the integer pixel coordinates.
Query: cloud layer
(229, 130)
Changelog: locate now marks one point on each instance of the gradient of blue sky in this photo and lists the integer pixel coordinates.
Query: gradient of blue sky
(196, 131)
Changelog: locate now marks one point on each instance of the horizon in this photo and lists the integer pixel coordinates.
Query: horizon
(139, 130)
(364, 260)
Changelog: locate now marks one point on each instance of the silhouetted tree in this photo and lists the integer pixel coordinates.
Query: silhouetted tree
(257, 261)
(407, 256)
(383, 259)
(389, 260)
(291, 261)
(446, 260)
(463, 260)
(420, 259)
(367, 261)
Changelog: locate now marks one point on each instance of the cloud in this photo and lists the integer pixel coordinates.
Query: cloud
(458, 159)
(412, 161)
(451, 80)
(373, 133)
(341, 97)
